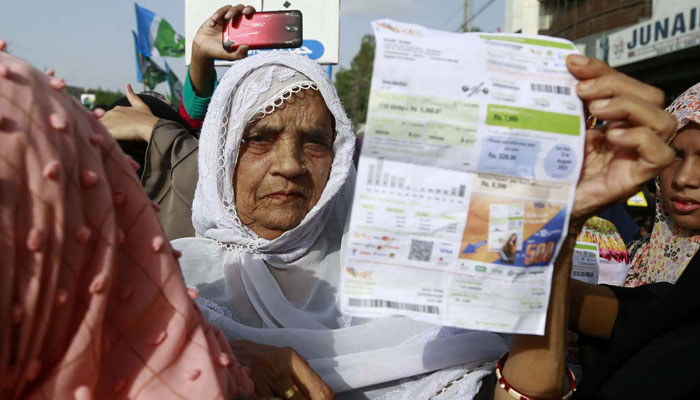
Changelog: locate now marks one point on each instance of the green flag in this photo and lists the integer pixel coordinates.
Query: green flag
(168, 42)
(152, 73)
(155, 32)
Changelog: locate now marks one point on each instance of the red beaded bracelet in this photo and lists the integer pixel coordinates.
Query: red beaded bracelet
(519, 396)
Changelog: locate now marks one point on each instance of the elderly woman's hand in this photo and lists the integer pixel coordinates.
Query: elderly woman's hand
(632, 148)
(130, 123)
(207, 47)
(280, 372)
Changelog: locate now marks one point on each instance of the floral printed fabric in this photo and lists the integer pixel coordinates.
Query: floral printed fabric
(686, 108)
(662, 256)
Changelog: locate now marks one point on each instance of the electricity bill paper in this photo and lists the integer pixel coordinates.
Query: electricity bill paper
(472, 150)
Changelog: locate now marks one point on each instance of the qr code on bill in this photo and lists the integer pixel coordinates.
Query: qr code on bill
(420, 250)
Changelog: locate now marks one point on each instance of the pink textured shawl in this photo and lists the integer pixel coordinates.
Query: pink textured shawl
(92, 302)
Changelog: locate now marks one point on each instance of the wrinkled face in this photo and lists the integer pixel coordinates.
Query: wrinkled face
(680, 181)
(283, 165)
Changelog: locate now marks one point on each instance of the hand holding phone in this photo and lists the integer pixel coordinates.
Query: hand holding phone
(206, 47)
(264, 30)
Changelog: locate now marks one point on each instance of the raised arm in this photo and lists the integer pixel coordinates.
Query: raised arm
(535, 364)
(200, 81)
(207, 47)
(630, 150)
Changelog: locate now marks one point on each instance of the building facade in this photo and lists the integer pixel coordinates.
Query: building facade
(577, 19)
(522, 16)
(656, 41)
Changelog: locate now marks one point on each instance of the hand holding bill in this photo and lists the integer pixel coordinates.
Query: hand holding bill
(631, 148)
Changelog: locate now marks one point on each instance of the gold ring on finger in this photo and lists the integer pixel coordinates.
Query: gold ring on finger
(291, 392)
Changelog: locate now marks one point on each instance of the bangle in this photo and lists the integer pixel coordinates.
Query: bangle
(519, 396)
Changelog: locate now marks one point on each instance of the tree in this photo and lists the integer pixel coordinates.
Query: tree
(353, 83)
(107, 96)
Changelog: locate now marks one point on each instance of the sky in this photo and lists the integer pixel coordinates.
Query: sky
(88, 42)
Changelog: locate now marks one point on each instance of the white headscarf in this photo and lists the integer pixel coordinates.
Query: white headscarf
(283, 291)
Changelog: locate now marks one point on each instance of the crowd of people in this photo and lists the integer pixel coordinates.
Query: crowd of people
(209, 268)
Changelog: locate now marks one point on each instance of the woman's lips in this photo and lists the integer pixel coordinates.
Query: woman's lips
(285, 195)
(684, 204)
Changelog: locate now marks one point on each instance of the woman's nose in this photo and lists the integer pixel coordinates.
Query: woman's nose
(688, 174)
(288, 159)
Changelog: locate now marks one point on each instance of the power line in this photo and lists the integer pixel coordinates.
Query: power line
(482, 9)
(451, 17)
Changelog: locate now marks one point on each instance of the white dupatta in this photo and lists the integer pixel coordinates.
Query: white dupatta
(283, 292)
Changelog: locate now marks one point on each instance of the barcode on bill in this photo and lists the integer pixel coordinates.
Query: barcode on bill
(378, 303)
(540, 87)
(420, 250)
(587, 274)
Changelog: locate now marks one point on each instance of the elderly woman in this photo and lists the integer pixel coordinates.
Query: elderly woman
(270, 211)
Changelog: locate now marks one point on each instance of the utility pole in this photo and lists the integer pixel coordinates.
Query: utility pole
(466, 16)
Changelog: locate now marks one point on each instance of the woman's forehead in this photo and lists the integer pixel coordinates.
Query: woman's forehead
(688, 136)
(305, 109)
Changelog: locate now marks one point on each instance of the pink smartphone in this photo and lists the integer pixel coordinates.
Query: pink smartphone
(264, 30)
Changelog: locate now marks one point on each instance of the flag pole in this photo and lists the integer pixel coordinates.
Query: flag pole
(143, 79)
(138, 50)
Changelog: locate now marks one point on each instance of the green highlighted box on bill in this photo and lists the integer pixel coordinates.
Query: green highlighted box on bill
(532, 41)
(526, 118)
